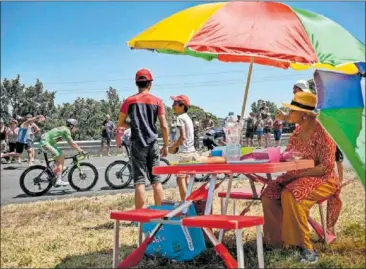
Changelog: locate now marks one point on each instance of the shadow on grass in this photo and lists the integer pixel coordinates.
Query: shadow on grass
(103, 259)
(208, 259)
(109, 226)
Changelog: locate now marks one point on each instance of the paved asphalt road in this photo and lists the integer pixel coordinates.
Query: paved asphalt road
(11, 192)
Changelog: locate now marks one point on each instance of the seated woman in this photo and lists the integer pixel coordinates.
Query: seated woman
(287, 200)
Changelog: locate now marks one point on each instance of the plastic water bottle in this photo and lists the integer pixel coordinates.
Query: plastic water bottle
(232, 134)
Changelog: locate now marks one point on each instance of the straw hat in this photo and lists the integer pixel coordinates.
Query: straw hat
(303, 101)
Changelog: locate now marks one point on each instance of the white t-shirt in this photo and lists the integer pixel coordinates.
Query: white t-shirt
(185, 122)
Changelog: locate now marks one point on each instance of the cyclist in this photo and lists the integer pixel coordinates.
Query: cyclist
(48, 145)
(214, 138)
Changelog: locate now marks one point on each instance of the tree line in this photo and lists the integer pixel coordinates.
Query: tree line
(18, 100)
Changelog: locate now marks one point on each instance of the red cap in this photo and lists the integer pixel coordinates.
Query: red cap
(181, 98)
(143, 75)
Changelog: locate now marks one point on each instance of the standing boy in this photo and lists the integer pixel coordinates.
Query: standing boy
(185, 143)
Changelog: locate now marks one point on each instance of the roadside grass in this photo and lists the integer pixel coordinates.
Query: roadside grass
(77, 233)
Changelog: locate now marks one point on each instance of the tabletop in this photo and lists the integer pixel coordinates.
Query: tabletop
(233, 168)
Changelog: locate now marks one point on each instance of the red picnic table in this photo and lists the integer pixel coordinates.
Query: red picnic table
(249, 169)
(207, 221)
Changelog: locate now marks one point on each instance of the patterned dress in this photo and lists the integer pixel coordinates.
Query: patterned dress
(320, 148)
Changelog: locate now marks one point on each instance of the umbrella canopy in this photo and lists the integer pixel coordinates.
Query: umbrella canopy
(343, 115)
(267, 33)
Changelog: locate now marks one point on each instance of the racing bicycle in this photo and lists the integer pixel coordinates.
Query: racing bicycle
(44, 177)
(118, 174)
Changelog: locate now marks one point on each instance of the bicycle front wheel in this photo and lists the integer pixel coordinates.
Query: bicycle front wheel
(118, 174)
(36, 180)
(83, 179)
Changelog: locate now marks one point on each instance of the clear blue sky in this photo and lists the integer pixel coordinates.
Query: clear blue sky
(79, 49)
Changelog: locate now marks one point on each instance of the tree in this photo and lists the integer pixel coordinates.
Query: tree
(16, 99)
(112, 105)
(4, 104)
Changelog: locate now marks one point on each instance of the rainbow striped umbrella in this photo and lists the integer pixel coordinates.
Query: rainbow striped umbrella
(266, 33)
(343, 115)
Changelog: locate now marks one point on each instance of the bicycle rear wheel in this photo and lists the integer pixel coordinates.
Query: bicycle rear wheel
(86, 182)
(118, 174)
(46, 181)
(167, 177)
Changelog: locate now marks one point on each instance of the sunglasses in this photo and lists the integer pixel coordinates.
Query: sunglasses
(177, 103)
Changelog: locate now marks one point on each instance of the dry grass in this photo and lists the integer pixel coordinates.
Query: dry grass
(78, 233)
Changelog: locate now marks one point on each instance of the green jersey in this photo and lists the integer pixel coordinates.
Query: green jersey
(57, 135)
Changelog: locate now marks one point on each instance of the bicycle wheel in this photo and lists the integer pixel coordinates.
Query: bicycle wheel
(167, 177)
(118, 174)
(37, 180)
(87, 182)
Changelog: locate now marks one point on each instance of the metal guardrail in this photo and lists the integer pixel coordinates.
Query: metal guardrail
(93, 146)
(94, 143)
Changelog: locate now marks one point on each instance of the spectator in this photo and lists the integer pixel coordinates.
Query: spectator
(287, 200)
(196, 126)
(108, 126)
(144, 109)
(12, 137)
(277, 131)
(23, 137)
(301, 86)
(118, 133)
(185, 144)
(34, 129)
(208, 123)
(259, 126)
(267, 130)
(3, 135)
(264, 109)
(250, 126)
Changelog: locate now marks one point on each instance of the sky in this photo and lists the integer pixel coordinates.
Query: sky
(79, 49)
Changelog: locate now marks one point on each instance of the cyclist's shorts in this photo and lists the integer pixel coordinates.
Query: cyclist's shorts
(50, 149)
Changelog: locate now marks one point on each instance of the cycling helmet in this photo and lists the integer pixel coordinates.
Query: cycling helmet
(71, 122)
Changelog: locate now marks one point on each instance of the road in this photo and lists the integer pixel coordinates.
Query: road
(11, 192)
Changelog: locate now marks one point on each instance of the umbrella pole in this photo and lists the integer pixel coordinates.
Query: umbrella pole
(247, 88)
